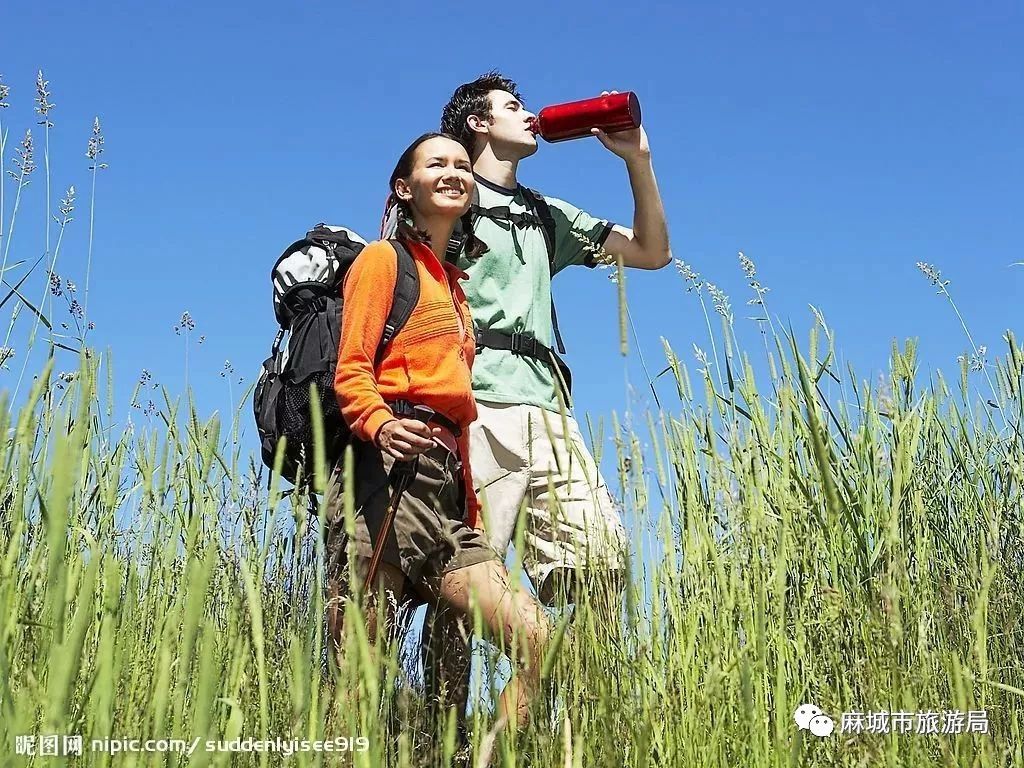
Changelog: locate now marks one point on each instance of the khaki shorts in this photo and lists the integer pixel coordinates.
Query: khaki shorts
(429, 536)
(529, 460)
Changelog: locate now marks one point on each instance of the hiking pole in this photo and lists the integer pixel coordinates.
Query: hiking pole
(401, 476)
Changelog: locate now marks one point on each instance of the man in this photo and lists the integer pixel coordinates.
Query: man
(526, 449)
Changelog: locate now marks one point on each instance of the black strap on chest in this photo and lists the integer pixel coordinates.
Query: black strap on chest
(526, 345)
(503, 214)
(517, 342)
(538, 215)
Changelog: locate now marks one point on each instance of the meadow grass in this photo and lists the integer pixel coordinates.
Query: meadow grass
(861, 552)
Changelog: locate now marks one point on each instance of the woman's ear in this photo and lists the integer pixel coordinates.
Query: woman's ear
(402, 191)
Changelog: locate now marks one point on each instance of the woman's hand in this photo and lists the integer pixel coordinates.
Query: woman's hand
(405, 439)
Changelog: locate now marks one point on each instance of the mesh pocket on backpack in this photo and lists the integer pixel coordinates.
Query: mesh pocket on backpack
(294, 413)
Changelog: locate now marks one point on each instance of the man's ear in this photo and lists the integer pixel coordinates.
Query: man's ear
(478, 124)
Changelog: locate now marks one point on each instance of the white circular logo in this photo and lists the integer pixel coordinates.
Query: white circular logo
(810, 718)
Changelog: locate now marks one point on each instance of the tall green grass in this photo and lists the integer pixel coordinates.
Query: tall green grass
(149, 588)
(859, 552)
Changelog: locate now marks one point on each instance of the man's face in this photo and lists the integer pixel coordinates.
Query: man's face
(509, 126)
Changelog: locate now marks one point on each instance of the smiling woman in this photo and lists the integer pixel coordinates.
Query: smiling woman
(440, 191)
(417, 527)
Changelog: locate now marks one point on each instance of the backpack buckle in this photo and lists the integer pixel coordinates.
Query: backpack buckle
(455, 244)
(523, 344)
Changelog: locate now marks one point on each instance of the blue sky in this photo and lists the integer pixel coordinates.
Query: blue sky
(836, 145)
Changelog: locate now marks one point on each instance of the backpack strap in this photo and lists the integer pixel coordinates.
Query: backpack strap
(547, 225)
(505, 215)
(542, 210)
(406, 296)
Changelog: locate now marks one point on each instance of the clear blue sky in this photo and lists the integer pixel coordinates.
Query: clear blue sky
(836, 145)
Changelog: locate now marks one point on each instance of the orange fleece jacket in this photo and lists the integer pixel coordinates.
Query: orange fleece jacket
(427, 363)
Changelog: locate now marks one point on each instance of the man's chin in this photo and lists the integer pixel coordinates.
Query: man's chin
(515, 150)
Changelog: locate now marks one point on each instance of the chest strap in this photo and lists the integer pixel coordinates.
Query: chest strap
(517, 342)
(526, 345)
(504, 214)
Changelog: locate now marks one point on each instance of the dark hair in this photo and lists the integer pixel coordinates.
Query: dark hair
(471, 99)
(474, 246)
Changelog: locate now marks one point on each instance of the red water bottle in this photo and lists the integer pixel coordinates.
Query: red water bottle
(611, 113)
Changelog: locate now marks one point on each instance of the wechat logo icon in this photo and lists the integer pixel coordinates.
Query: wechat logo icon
(810, 718)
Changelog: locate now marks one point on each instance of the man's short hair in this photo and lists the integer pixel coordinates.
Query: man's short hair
(471, 99)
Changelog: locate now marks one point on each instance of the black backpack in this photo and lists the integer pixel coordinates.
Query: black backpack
(307, 281)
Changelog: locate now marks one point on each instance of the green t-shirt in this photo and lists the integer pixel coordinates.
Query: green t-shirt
(509, 289)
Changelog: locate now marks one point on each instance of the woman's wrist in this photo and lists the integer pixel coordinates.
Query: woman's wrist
(376, 436)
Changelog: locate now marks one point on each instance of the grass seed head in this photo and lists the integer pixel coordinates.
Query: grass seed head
(24, 162)
(43, 103)
(974, 362)
(5, 91)
(600, 255)
(748, 267)
(95, 148)
(701, 355)
(934, 275)
(185, 324)
(750, 271)
(720, 300)
(67, 205)
(693, 281)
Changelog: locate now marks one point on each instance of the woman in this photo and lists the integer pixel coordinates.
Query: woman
(435, 550)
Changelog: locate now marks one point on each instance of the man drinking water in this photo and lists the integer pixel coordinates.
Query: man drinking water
(526, 449)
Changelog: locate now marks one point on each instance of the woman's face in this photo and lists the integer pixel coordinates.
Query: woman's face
(441, 182)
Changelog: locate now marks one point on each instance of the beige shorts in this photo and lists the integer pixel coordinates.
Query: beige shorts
(531, 465)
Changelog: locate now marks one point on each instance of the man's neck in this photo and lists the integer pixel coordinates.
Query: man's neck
(497, 170)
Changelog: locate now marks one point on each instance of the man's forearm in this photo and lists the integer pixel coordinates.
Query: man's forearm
(650, 230)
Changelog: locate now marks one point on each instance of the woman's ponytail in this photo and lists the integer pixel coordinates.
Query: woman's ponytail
(472, 245)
